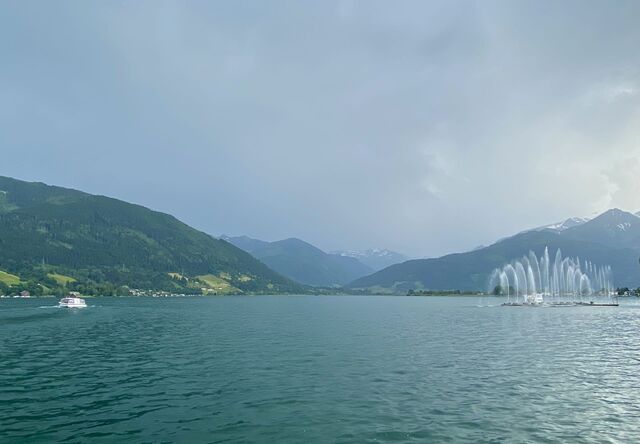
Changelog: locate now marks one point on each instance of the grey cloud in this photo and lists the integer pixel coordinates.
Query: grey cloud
(422, 127)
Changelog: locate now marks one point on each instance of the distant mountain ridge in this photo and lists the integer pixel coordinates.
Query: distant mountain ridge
(375, 258)
(303, 262)
(53, 236)
(611, 238)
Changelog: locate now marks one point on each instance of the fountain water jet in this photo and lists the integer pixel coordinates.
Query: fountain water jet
(567, 281)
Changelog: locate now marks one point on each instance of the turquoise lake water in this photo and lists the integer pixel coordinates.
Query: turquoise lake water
(304, 369)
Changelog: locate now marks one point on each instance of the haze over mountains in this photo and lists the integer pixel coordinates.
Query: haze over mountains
(611, 238)
(374, 258)
(307, 264)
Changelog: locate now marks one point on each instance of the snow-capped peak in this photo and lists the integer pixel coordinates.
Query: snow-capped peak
(564, 225)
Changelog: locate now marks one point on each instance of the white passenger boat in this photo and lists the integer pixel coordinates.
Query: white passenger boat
(70, 302)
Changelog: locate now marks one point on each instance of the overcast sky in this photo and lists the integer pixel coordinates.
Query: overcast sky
(423, 127)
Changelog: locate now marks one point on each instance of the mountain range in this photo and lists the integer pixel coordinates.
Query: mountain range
(303, 262)
(53, 238)
(374, 258)
(612, 238)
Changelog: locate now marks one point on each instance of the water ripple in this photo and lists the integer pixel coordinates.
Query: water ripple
(318, 369)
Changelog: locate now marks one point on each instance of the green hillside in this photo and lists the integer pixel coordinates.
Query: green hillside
(58, 237)
(303, 262)
(9, 279)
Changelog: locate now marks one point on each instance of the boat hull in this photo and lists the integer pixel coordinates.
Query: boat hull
(72, 303)
(72, 306)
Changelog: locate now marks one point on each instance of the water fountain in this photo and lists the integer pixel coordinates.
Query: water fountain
(564, 281)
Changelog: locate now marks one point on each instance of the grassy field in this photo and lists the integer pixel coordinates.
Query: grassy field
(61, 279)
(216, 284)
(9, 279)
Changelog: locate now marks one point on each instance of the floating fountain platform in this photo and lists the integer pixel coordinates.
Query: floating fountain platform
(594, 304)
(560, 304)
(533, 281)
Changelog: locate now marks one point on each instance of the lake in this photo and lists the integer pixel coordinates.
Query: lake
(315, 369)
